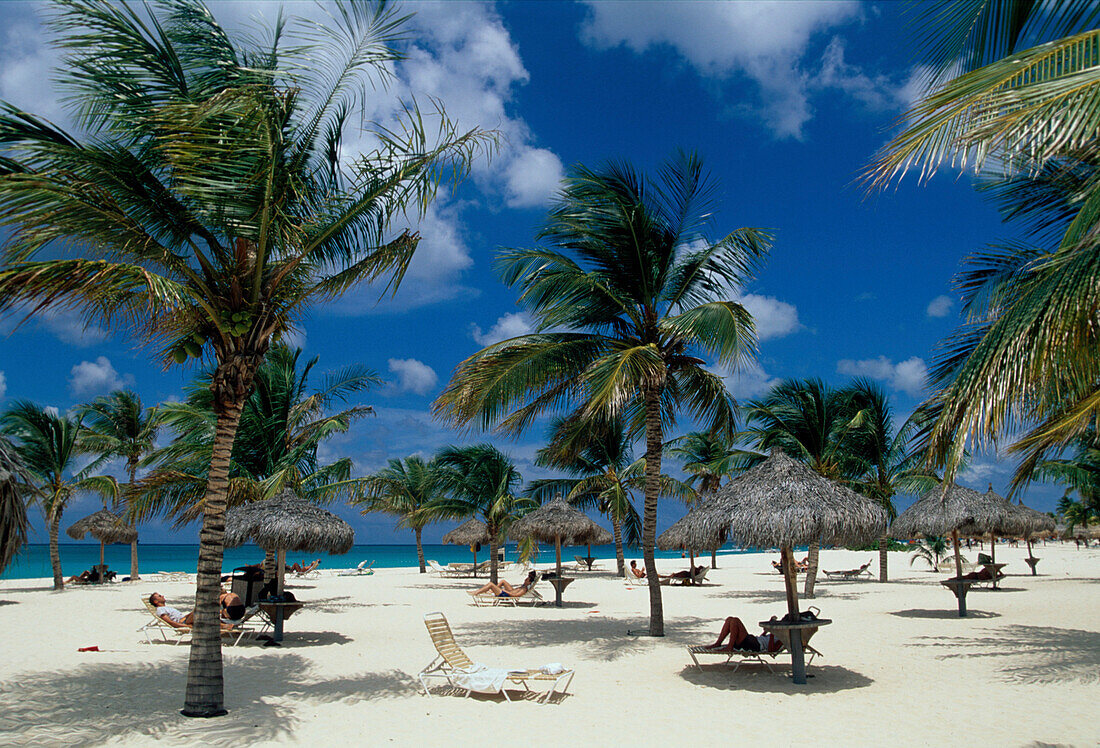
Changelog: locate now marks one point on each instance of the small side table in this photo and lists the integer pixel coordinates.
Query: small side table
(959, 587)
(560, 583)
(277, 613)
(1032, 562)
(787, 631)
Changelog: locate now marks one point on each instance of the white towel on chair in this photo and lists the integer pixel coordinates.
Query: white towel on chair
(553, 668)
(481, 678)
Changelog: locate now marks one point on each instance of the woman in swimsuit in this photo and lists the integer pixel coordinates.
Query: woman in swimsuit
(233, 609)
(504, 589)
(741, 639)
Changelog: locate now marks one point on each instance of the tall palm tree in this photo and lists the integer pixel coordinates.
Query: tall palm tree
(405, 489)
(216, 198)
(479, 480)
(807, 420)
(709, 458)
(49, 446)
(639, 287)
(15, 492)
(1079, 471)
(1014, 95)
(117, 425)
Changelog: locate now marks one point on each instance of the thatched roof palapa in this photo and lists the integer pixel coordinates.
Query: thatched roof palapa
(290, 523)
(781, 503)
(105, 526)
(704, 528)
(602, 538)
(470, 532)
(950, 507)
(556, 520)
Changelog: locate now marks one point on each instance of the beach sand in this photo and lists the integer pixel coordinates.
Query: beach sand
(899, 667)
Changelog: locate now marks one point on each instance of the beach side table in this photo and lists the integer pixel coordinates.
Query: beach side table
(588, 561)
(994, 571)
(959, 587)
(560, 583)
(277, 613)
(791, 634)
(1032, 562)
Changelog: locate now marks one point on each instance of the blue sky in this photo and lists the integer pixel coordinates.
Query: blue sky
(786, 102)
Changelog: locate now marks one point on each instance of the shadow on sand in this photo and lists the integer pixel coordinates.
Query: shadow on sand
(946, 615)
(96, 703)
(757, 679)
(1031, 654)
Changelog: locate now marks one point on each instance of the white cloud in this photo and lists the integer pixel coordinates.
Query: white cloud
(96, 377)
(532, 178)
(511, 325)
(774, 318)
(908, 376)
(26, 61)
(3, 385)
(876, 93)
(413, 376)
(940, 306)
(748, 382)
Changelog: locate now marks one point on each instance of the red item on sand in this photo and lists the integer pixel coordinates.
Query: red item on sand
(88, 649)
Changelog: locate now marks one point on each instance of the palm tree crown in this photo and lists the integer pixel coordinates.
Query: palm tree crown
(640, 289)
(405, 489)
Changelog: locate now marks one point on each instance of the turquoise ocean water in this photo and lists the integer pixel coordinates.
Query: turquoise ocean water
(34, 560)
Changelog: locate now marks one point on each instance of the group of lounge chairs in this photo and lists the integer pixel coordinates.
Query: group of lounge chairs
(688, 577)
(465, 570)
(251, 625)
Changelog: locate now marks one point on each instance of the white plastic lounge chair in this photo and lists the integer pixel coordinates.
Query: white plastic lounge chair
(310, 572)
(249, 626)
(363, 569)
(453, 666)
(850, 573)
(531, 597)
(444, 571)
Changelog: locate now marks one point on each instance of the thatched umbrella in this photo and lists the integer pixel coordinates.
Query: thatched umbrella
(556, 522)
(782, 502)
(106, 527)
(602, 538)
(472, 532)
(997, 516)
(701, 529)
(1035, 522)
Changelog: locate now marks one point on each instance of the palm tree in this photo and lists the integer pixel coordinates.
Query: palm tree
(807, 420)
(709, 458)
(15, 488)
(1014, 96)
(880, 452)
(479, 480)
(49, 446)
(216, 202)
(930, 550)
(118, 426)
(636, 284)
(403, 488)
(1079, 472)
(1076, 513)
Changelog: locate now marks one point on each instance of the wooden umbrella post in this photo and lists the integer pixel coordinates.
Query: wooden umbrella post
(961, 588)
(280, 578)
(473, 547)
(691, 566)
(798, 659)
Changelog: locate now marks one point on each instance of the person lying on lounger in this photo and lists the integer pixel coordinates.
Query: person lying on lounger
(91, 576)
(635, 571)
(173, 617)
(798, 565)
(685, 575)
(233, 609)
(504, 589)
(303, 568)
(741, 639)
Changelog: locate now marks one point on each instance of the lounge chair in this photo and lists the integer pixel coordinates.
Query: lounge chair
(850, 573)
(453, 666)
(174, 576)
(799, 567)
(242, 629)
(692, 580)
(531, 597)
(633, 581)
(443, 571)
(309, 572)
(748, 655)
(363, 569)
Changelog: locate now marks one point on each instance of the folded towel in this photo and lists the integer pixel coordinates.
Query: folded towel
(553, 668)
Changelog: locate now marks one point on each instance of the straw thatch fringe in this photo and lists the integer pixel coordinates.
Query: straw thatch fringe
(104, 526)
(470, 532)
(783, 503)
(1034, 521)
(288, 522)
(556, 519)
(704, 528)
(950, 507)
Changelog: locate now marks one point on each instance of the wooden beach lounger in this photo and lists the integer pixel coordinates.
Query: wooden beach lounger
(748, 655)
(452, 663)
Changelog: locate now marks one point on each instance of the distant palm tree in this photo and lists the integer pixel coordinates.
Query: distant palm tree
(479, 481)
(1080, 471)
(1076, 513)
(931, 550)
(15, 492)
(49, 446)
(215, 197)
(641, 291)
(806, 419)
(709, 458)
(118, 426)
(405, 489)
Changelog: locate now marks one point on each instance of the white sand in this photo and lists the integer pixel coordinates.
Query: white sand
(900, 667)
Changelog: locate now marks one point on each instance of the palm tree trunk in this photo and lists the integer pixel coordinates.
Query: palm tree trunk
(54, 519)
(620, 559)
(811, 573)
(714, 558)
(134, 576)
(420, 550)
(205, 697)
(883, 556)
(493, 542)
(654, 438)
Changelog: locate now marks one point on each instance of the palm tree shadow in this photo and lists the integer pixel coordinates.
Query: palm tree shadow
(757, 679)
(1032, 654)
(952, 614)
(96, 703)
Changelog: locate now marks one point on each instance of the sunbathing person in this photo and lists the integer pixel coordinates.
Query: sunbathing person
(173, 616)
(741, 639)
(504, 589)
(686, 575)
(91, 576)
(635, 571)
(802, 565)
(981, 575)
(301, 568)
(233, 609)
